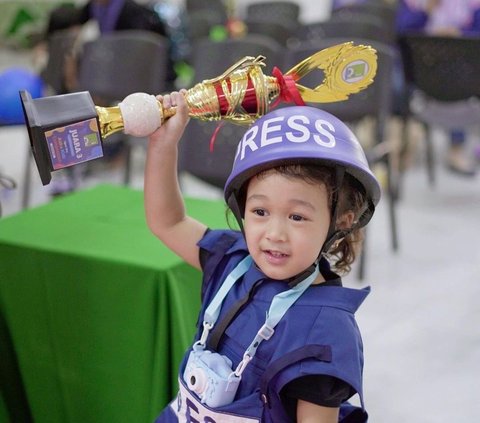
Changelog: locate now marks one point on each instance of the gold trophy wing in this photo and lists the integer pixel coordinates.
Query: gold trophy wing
(347, 69)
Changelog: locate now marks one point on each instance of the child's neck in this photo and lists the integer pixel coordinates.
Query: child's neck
(318, 280)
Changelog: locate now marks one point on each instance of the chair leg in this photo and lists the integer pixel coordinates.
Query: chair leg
(392, 200)
(403, 153)
(385, 155)
(430, 156)
(362, 258)
(26, 179)
(128, 163)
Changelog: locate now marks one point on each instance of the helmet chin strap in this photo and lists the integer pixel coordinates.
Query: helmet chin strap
(235, 208)
(333, 234)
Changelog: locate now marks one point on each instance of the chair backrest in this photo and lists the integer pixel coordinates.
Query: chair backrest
(275, 30)
(59, 44)
(444, 68)
(384, 11)
(216, 6)
(284, 12)
(123, 62)
(211, 59)
(361, 26)
(374, 101)
(200, 22)
(196, 158)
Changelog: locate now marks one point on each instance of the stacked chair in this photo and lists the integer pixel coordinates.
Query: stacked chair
(283, 12)
(444, 75)
(381, 9)
(276, 19)
(121, 63)
(364, 26)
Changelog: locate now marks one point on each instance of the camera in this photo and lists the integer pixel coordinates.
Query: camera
(210, 376)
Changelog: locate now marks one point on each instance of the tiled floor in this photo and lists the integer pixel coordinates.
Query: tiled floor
(421, 324)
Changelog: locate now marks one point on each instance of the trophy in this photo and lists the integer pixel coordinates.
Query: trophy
(68, 129)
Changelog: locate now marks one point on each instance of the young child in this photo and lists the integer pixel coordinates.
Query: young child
(279, 342)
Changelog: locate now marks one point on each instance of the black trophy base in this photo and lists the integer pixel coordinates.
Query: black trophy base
(64, 131)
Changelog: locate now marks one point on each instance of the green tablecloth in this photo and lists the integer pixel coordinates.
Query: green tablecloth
(98, 310)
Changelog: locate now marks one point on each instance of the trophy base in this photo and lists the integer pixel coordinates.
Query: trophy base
(64, 131)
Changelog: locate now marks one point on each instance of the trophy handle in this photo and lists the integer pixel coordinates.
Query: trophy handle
(245, 62)
(347, 69)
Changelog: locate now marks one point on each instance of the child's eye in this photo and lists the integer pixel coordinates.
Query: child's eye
(259, 212)
(297, 217)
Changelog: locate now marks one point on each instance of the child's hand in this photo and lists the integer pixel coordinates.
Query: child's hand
(172, 129)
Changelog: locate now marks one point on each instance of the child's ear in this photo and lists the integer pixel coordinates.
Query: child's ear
(345, 221)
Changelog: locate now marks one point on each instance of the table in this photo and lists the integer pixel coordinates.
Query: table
(98, 310)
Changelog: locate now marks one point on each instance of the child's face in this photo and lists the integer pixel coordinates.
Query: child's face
(286, 223)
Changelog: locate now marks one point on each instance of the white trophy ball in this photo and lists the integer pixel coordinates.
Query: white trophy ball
(141, 114)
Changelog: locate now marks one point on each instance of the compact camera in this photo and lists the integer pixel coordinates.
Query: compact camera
(210, 376)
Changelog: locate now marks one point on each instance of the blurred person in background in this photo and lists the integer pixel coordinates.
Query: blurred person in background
(453, 18)
(109, 15)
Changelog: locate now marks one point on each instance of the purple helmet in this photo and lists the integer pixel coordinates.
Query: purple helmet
(305, 134)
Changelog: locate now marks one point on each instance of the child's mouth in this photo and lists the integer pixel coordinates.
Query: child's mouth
(275, 257)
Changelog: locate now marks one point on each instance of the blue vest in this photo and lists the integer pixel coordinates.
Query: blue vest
(317, 335)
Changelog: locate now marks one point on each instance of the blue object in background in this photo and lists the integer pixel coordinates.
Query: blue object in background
(12, 81)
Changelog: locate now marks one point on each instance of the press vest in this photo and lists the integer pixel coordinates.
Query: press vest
(317, 336)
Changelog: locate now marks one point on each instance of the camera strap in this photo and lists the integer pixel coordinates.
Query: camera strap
(221, 326)
(279, 306)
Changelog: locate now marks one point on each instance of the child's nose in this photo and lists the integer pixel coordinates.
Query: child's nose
(276, 230)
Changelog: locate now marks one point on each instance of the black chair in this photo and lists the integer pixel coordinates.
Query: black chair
(283, 12)
(374, 102)
(199, 22)
(361, 26)
(385, 11)
(211, 59)
(216, 6)
(60, 44)
(121, 63)
(445, 76)
(276, 30)
(110, 68)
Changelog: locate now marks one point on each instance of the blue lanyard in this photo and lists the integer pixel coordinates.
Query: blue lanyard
(213, 309)
(279, 306)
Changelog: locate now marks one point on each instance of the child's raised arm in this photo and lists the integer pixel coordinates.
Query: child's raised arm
(164, 206)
